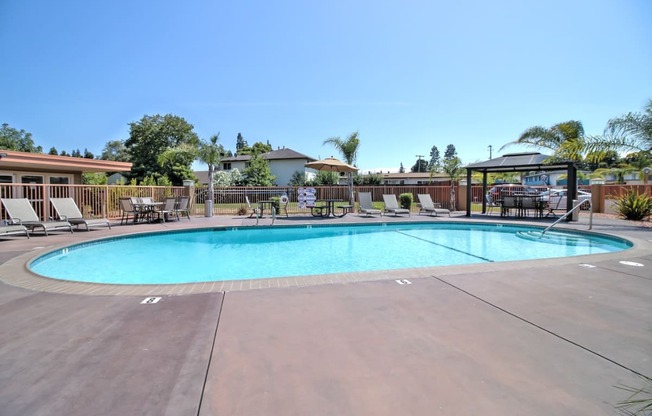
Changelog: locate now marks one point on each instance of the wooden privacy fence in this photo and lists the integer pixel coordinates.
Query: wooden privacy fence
(103, 200)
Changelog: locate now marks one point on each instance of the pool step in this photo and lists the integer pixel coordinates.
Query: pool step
(553, 237)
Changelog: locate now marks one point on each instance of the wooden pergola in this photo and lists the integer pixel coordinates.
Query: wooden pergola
(520, 162)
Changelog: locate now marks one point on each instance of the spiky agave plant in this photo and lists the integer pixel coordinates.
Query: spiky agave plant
(634, 206)
(639, 403)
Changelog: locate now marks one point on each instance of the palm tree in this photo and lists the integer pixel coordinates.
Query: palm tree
(453, 168)
(630, 133)
(208, 152)
(349, 150)
(565, 140)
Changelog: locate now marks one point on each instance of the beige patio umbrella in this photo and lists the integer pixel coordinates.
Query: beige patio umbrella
(331, 164)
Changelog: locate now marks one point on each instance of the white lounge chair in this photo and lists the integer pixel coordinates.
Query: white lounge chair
(21, 212)
(391, 205)
(67, 210)
(12, 229)
(428, 206)
(366, 205)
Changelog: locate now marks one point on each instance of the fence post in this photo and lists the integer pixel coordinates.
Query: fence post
(598, 198)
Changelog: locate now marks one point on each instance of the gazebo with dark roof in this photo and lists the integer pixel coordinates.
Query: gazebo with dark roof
(520, 162)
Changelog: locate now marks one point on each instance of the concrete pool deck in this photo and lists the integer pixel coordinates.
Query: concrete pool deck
(534, 338)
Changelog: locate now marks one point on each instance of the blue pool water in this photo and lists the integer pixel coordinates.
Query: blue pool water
(258, 253)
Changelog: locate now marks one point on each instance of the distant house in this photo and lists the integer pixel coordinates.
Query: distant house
(282, 162)
(415, 178)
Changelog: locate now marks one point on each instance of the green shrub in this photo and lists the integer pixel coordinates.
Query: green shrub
(276, 203)
(405, 200)
(634, 206)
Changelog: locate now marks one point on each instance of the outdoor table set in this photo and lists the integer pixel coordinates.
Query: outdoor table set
(521, 204)
(327, 209)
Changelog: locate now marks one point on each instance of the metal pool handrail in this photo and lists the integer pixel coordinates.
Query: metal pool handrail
(576, 207)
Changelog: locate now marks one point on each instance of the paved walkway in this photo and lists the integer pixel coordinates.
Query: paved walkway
(533, 338)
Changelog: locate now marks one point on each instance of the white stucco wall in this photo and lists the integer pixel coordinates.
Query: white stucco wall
(283, 169)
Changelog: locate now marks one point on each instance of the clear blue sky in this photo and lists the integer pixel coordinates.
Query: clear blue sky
(406, 75)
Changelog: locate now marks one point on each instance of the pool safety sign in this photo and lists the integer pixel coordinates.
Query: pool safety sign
(306, 197)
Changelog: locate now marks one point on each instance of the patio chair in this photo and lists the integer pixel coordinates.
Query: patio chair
(367, 205)
(182, 207)
(13, 229)
(168, 209)
(428, 206)
(21, 212)
(391, 205)
(490, 204)
(67, 210)
(128, 209)
(509, 203)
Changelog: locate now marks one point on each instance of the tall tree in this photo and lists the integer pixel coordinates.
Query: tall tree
(348, 148)
(53, 151)
(240, 143)
(153, 135)
(401, 169)
(435, 160)
(565, 140)
(450, 152)
(115, 150)
(421, 165)
(88, 154)
(18, 140)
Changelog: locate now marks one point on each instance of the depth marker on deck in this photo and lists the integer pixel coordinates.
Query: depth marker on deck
(631, 263)
(403, 282)
(149, 301)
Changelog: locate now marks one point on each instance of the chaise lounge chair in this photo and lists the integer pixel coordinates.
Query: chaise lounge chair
(366, 205)
(391, 205)
(13, 229)
(67, 210)
(21, 212)
(428, 206)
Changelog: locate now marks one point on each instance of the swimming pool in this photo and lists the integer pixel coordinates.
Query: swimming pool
(219, 254)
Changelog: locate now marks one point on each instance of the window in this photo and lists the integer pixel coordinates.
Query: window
(31, 179)
(59, 180)
(226, 166)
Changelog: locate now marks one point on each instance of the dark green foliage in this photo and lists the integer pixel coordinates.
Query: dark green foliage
(258, 172)
(276, 203)
(368, 180)
(21, 141)
(634, 206)
(421, 165)
(324, 178)
(405, 200)
(298, 179)
(115, 150)
(153, 135)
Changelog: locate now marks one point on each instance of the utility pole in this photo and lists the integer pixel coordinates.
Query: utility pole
(490, 149)
(419, 162)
